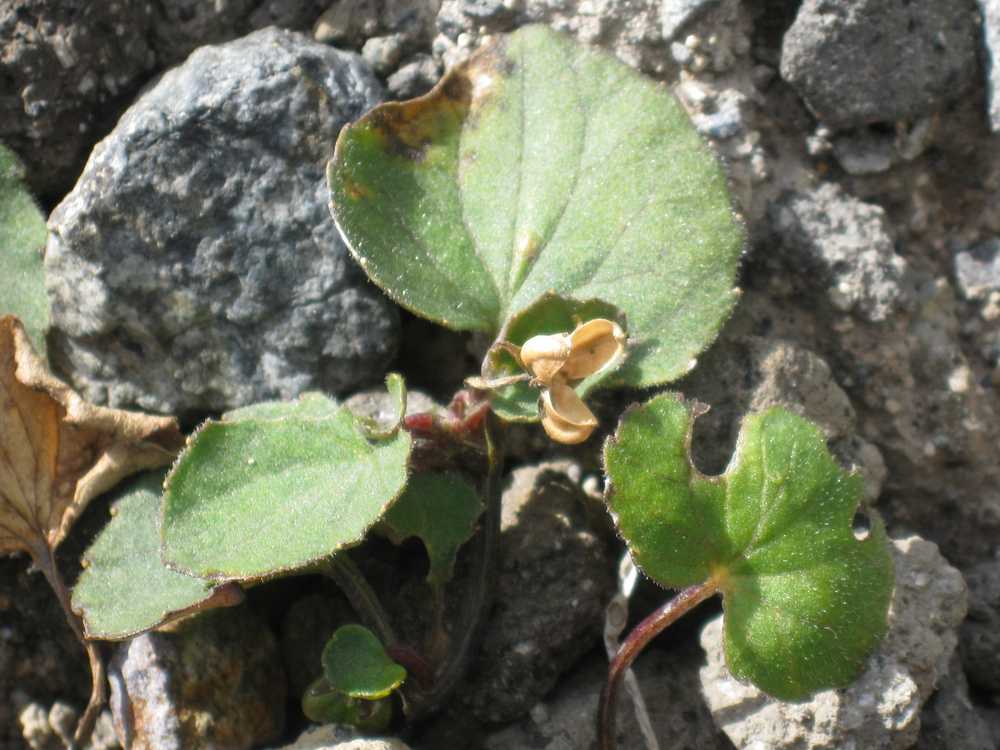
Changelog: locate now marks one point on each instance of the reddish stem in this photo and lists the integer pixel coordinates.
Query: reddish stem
(637, 640)
(413, 662)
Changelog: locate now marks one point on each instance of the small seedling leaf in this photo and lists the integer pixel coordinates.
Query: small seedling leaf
(356, 664)
(124, 588)
(324, 705)
(441, 510)
(544, 166)
(22, 239)
(805, 601)
(254, 497)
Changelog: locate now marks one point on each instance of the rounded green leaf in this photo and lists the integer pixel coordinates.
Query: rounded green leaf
(22, 239)
(543, 166)
(356, 664)
(124, 588)
(441, 510)
(805, 600)
(256, 497)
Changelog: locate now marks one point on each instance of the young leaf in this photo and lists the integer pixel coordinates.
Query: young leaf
(440, 509)
(805, 601)
(543, 166)
(356, 664)
(124, 588)
(255, 497)
(22, 239)
(324, 705)
(61, 452)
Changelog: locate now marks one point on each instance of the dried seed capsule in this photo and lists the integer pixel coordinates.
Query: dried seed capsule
(593, 346)
(544, 356)
(565, 417)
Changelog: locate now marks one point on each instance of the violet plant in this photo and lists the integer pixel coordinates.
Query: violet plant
(557, 202)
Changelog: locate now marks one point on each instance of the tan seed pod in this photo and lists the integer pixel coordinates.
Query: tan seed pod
(545, 355)
(593, 346)
(565, 417)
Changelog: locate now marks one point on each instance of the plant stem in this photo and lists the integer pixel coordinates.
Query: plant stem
(637, 640)
(479, 596)
(349, 578)
(45, 560)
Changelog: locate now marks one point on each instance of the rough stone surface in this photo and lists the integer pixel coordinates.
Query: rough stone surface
(861, 61)
(743, 375)
(843, 246)
(69, 69)
(41, 661)
(950, 721)
(212, 681)
(977, 271)
(305, 629)
(632, 29)
(676, 14)
(417, 77)
(981, 631)
(53, 729)
(195, 266)
(555, 577)
(882, 708)
(669, 684)
(333, 737)
(181, 26)
(990, 11)
(62, 66)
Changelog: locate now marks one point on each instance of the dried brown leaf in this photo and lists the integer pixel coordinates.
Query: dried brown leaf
(58, 452)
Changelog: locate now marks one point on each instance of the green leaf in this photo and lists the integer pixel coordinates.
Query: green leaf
(315, 405)
(544, 166)
(124, 588)
(22, 239)
(440, 509)
(356, 664)
(805, 601)
(324, 705)
(256, 497)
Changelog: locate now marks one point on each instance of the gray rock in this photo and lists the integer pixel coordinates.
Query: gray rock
(864, 152)
(214, 680)
(841, 245)
(383, 52)
(861, 61)
(631, 29)
(63, 67)
(977, 271)
(675, 15)
(981, 631)
(556, 575)
(742, 375)
(990, 10)
(181, 26)
(416, 77)
(195, 267)
(669, 683)
(350, 22)
(334, 737)
(726, 120)
(949, 719)
(882, 708)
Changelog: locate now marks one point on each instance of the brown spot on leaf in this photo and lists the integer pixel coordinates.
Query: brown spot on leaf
(406, 129)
